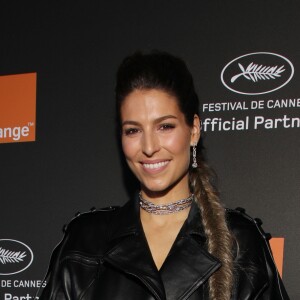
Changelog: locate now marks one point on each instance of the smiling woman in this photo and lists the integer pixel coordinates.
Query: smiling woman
(174, 240)
(156, 142)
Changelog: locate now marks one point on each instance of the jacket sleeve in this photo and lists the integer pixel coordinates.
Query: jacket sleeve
(257, 275)
(275, 289)
(54, 284)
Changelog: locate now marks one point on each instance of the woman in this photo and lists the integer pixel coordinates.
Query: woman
(174, 240)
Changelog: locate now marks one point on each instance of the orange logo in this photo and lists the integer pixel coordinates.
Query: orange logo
(277, 246)
(17, 108)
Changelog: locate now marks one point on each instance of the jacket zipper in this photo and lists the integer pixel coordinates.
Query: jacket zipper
(83, 259)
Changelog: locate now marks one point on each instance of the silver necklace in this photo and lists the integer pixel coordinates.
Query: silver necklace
(165, 209)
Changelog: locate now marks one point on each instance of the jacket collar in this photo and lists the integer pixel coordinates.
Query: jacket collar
(129, 252)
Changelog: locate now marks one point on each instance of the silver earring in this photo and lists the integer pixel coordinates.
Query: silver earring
(194, 165)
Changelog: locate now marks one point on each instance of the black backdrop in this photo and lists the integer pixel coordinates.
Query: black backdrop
(74, 164)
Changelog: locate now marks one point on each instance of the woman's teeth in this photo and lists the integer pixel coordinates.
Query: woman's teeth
(156, 165)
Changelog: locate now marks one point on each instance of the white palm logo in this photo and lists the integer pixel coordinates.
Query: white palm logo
(7, 256)
(255, 72)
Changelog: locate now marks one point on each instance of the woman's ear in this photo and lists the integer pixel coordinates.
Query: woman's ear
(196, 132)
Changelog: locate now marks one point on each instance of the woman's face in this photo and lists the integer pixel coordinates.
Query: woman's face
(156, 141)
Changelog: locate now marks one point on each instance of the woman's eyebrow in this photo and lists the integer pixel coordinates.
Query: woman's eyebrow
(158, 120)
(130, 123)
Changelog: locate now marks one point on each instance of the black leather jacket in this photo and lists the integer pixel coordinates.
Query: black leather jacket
(104, 256)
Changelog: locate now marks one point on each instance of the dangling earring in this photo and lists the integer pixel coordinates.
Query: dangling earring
(194, 165)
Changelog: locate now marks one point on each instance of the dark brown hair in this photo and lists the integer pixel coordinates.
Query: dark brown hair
(162, 71)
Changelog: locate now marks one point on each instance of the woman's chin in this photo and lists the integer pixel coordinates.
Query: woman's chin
(156, 190)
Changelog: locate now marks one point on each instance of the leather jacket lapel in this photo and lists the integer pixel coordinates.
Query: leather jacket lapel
(130, 253)
(189, 259)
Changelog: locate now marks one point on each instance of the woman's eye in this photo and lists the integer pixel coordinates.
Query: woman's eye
(166, 127)
(131, 131)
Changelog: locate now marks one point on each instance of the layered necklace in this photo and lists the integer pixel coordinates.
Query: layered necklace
(165, 209)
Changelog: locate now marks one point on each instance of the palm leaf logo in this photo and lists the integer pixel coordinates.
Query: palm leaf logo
(255, 72)
(7, 256)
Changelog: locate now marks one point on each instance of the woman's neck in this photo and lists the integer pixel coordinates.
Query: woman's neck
(165, 197)
(164, 220)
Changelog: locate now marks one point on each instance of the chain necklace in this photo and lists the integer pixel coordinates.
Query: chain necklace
(165, 209)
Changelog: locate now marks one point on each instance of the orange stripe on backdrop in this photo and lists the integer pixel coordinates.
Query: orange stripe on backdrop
(17, 108)
(277, 246)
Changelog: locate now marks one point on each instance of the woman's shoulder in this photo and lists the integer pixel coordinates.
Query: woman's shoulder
(87, 232)
(253, 259)
(251, 241)
(242, 224)
(93, 218)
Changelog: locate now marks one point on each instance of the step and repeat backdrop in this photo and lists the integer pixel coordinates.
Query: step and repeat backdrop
(58, 149)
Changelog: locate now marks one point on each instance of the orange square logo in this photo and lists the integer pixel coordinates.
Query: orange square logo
(17, 108)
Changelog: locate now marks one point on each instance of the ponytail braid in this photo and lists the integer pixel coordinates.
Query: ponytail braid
(219, 239)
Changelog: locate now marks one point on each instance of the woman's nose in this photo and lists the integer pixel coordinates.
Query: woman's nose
(150, 144)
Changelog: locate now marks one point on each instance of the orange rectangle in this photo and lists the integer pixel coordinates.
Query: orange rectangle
(277, 246)
(17, 108)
